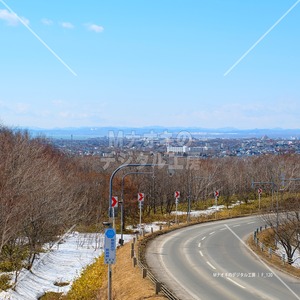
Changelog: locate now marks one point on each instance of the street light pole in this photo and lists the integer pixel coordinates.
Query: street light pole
(110, 209)
(111, 214)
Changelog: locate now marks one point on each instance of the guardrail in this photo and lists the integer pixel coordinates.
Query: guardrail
(159, 287)
(263, 247)
(146, 272)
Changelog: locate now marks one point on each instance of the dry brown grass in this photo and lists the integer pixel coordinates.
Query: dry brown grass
(127, 281)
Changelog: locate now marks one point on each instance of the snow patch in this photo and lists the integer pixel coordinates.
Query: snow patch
(62, 264)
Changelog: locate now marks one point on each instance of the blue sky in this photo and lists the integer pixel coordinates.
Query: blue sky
(149, 62)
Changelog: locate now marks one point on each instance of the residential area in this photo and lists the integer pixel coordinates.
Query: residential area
(166, 146)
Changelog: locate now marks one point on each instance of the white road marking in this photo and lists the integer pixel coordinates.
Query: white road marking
(204, 238)
(223, 228)
(212, 233)
(199, 245)
(250, 223)
(237, 225)
(170, 274)
(211, 265)
(201, 253)
(235, 283)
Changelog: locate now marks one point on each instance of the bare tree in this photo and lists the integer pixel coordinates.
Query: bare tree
(286, 226)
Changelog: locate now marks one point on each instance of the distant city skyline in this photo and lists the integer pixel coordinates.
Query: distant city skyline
(171, 63)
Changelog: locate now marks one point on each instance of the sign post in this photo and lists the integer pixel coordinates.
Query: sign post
(109, 254)
(110, 246)
(259, 193)
(114, 204)
(216, 194)
(177, 196)
(141, 197)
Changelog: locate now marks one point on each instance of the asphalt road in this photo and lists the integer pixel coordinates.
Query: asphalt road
(212, 261)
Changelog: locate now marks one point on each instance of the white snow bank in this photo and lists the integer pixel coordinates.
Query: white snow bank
(63, 263)
(296, 256)
(197, 213)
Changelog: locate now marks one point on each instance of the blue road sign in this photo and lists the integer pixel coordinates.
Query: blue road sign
(110, 246)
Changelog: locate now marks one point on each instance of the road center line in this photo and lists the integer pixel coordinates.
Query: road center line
(203, 238)
(201, 253)
(212, 233)
(235, 283)
(211, 265)
(250, 223)
(236, 225)
(223, 229)
(199, 245)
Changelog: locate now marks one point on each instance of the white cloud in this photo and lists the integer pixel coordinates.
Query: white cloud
(94, 27)
(67, 25)
(47, 22)
(12, 19)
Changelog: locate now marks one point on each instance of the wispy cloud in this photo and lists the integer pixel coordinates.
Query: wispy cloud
(67, 25)
(47, 22)
(94, 27)
(12, 19)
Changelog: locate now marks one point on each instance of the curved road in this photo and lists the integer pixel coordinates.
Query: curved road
(211, 261)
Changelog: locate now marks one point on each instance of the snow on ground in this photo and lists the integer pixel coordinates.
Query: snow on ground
(155, 226)
(296, 256)
(197, 213)
(147, 228)
(209, 211)
(63, 263)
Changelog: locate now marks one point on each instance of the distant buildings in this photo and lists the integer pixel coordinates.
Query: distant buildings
(179, 150)
(202, 148)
